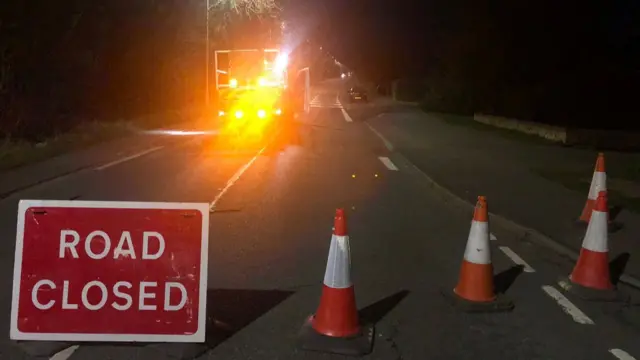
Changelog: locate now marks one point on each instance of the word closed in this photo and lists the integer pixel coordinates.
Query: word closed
(110, 271)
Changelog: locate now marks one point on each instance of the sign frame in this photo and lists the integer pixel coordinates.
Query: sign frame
(197, 337)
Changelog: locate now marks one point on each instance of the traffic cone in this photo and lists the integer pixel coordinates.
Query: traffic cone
(335, 327)
(590, 278)
(475, 289)
(598, 183)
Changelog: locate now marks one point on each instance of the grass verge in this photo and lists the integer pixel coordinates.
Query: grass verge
(16, 153)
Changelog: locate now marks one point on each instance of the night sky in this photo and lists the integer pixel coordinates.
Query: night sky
(405, 36)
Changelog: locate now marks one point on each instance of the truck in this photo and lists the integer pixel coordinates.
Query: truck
(252, 90)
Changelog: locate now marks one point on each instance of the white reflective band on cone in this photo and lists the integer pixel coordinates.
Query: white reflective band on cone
(338, 273)
(478, 251)
(598, 183)
(596, 237)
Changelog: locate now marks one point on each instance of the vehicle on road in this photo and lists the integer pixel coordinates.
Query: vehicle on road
(252, 91)
(357, 94)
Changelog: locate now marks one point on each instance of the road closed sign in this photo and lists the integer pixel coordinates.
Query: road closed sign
(110, 271)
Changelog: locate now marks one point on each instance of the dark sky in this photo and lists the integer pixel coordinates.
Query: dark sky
(407, 36)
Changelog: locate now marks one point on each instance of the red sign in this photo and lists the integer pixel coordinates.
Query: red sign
(110, 271)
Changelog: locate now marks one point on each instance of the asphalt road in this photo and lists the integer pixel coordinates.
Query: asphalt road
(269, 239)
(508, 167)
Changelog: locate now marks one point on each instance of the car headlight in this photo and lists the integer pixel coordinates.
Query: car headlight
(262, 114)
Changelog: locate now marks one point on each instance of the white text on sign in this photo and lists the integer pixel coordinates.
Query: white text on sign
(118, 251)
(147, 290)
(117, 291)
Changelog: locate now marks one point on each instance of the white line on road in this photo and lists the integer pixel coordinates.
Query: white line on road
(567, 306)
(516, 259)
(119, 161)
(347, 118)
(233, 179)
(621, 354)
(492, 237)
(388, 163)
(65, 354)
(386, 142)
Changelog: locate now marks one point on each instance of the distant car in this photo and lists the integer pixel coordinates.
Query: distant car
(357, 94)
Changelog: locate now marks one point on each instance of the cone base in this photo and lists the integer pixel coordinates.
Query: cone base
(590, 294)
(358, 345)
(337, 314)
(501, 303)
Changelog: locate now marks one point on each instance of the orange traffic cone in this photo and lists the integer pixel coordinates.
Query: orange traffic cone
(590, 278)
(598, 183)
(335, 327)
(475, 290)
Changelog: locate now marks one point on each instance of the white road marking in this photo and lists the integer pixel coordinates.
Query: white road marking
(65, 354)
(120, 161)
(388, 163)
(516, 259)
(386, 142)
(347, 118)
(567, 306)
(233, 179)
(621, 354)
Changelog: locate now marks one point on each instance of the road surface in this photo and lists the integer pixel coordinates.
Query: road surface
(538, 184)
(269, 240)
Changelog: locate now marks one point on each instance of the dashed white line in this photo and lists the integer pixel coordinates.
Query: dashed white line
(492, 237)
(120, 161)
(386, 142)
(388, 163)
(65, 354)
(516, 259)
(567, 306)
(621, 354)
(233, 179)
(347, 118)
